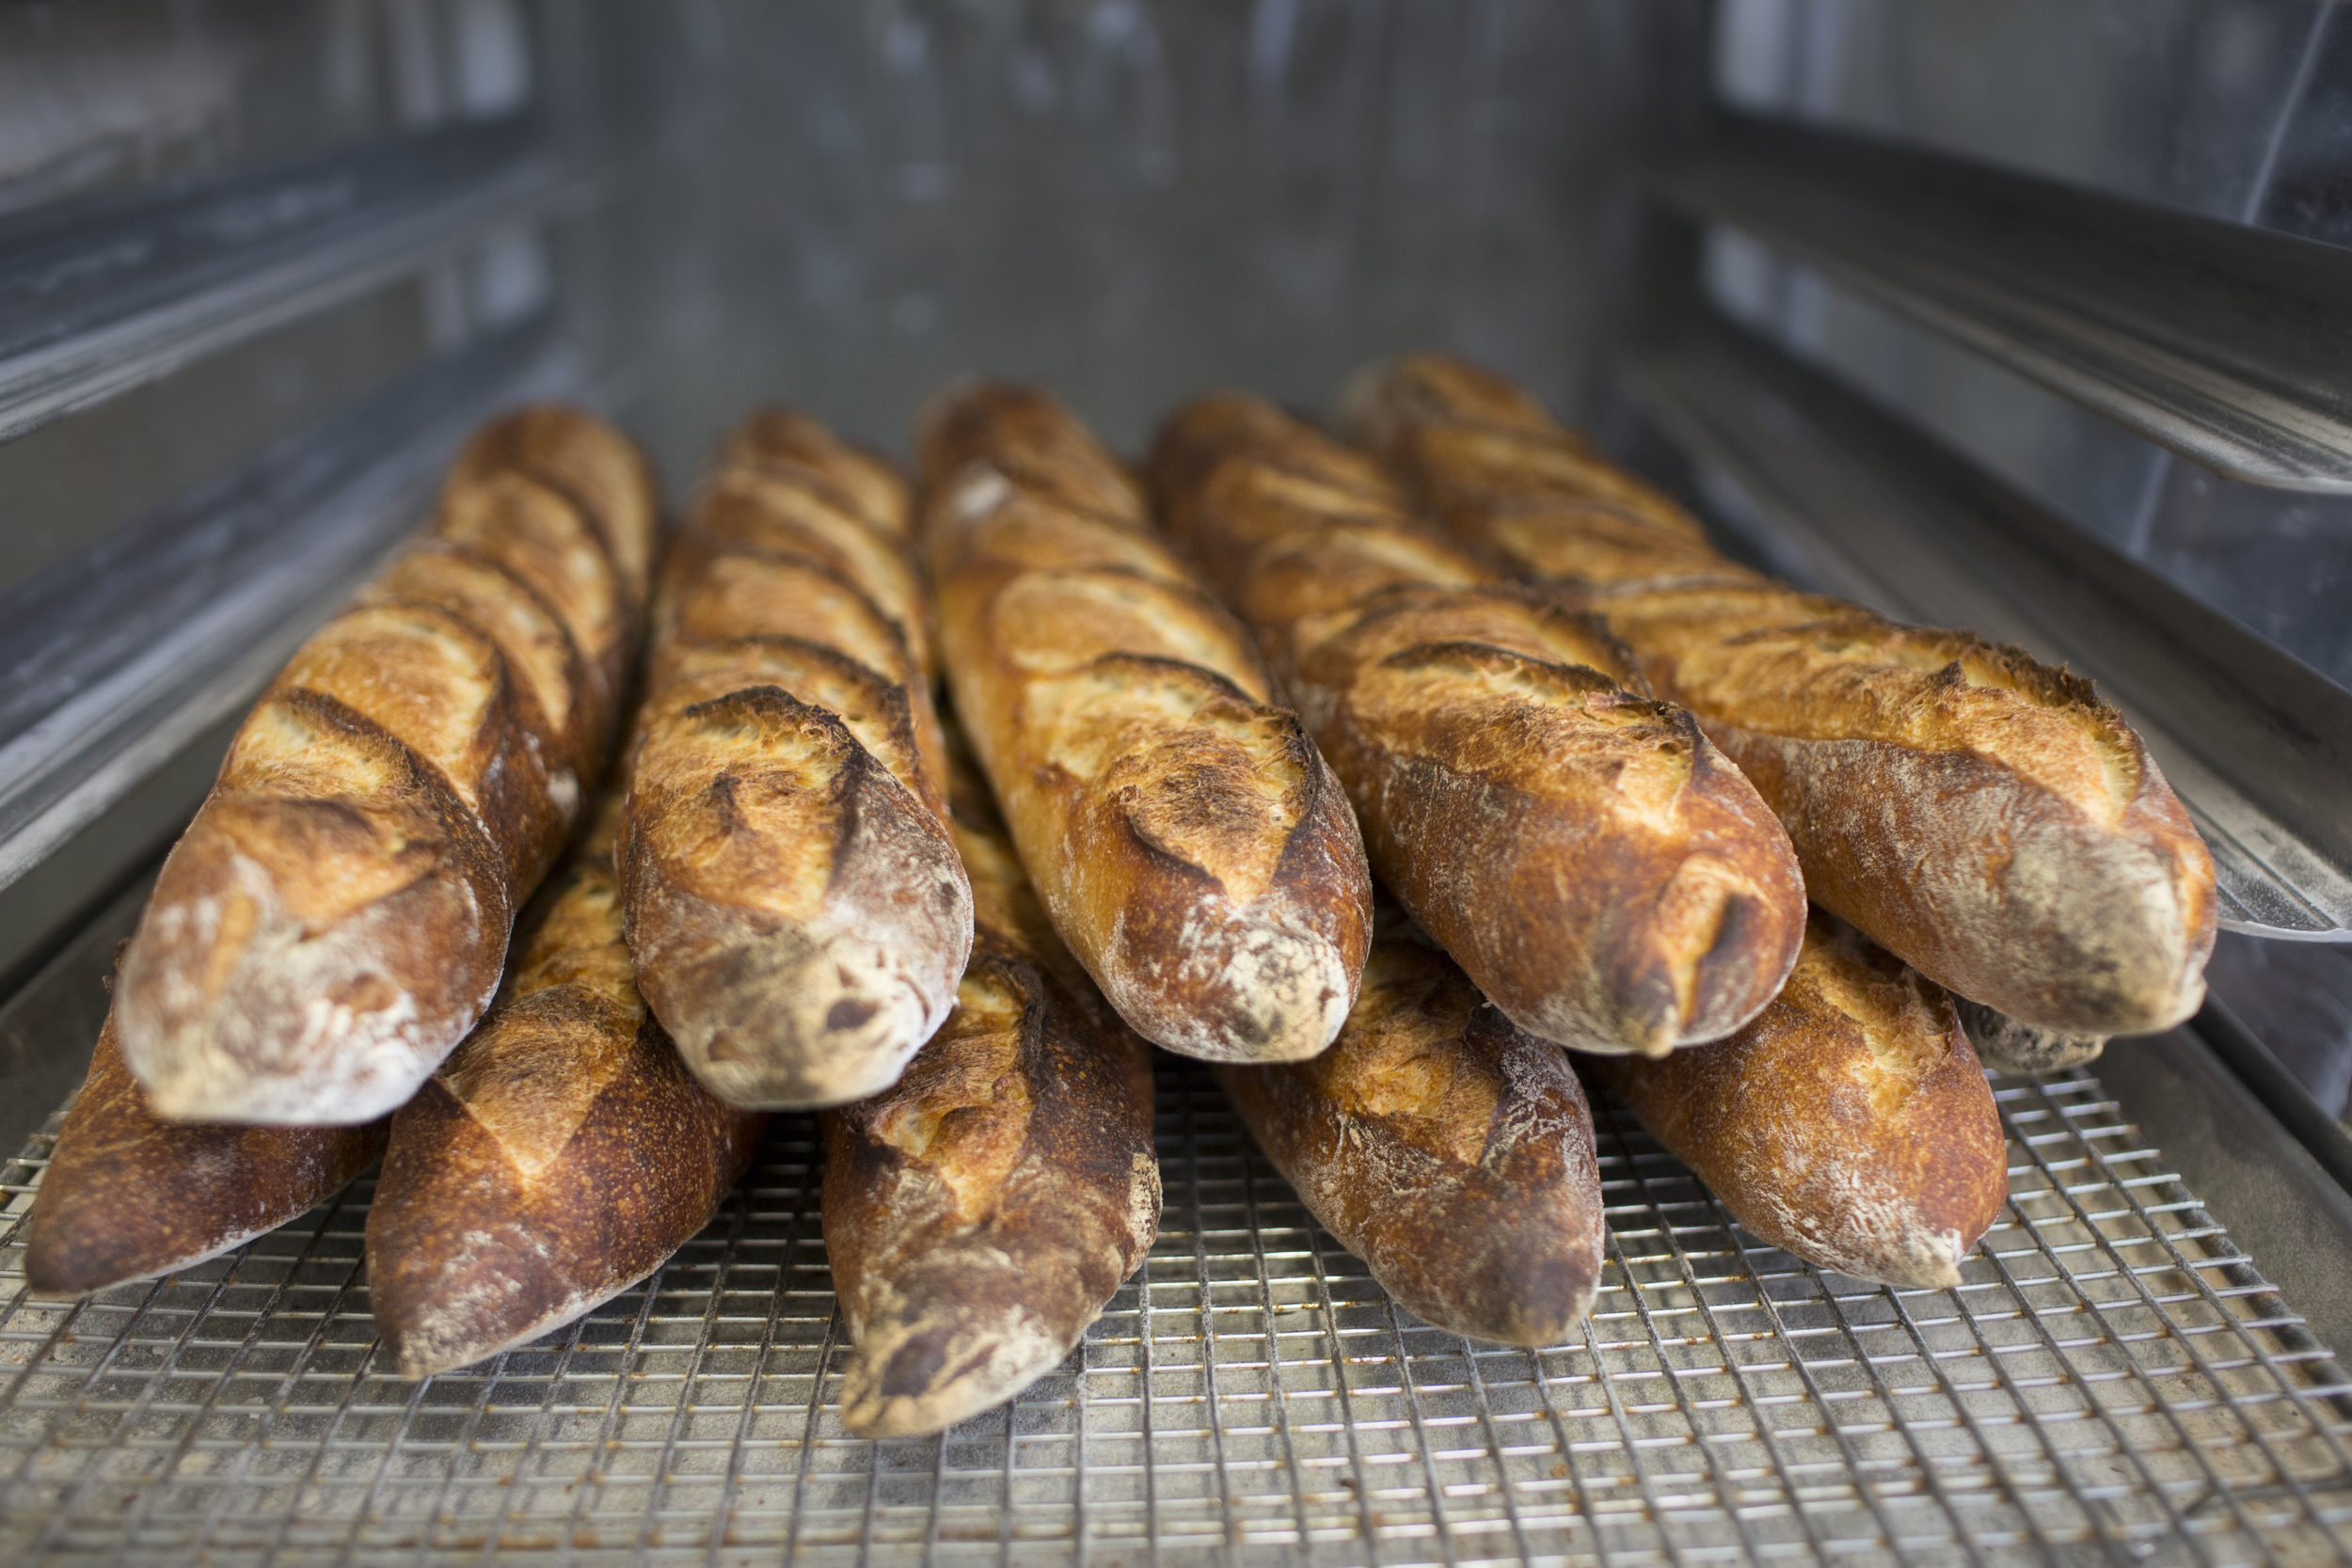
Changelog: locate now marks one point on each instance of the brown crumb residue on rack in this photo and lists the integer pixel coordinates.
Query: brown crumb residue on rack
(2112, 1382)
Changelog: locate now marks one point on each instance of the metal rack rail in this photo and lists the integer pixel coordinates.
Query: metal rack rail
(2113, 1381)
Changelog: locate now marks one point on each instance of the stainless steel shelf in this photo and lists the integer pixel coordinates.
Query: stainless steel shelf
(105, 294)
(2257, 744)
(2227, 343)
(2113, 1381)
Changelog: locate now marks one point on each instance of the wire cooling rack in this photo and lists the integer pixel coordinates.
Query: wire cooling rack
(2112, 1382)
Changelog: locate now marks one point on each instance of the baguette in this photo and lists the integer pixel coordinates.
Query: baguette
(1598, 868)
(1187, 840)
(336, 917)
(2005, 1045)
(1449, 1149)
(979, 1214)
(1983, 816)
(1849, 1124)
(866, 480)
(588, 464)
(796, 910)
(127, 1196)
(558, 1156)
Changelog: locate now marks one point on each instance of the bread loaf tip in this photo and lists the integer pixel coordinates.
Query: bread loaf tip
(923, 1372)
(1849, 1123)
(558, 1155)
(275, 977)
(2007, 1045)
(787, 981)
(1449, 1149)
(129, 1196)
(980, 1212)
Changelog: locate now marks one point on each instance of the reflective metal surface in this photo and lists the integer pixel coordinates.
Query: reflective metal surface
(2223, 108)
(2237, 110)
(2113, 1381)
(2223, 342)
(122, 92)
(100, 295)
(850, 204)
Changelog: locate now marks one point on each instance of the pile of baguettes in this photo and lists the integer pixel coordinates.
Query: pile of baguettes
(1598, 767)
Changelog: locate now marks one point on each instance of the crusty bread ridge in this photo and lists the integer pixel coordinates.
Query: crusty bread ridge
(336, 917)
(981, 1214)
(1448, 1148)
(1982, 815)
(790, 439)
(1587, 856)
(558, 1156)
(1849, 1124)
(1187, 840)
(127, 1196)
(796, 910)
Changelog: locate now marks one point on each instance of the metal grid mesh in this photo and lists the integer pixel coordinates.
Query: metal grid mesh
(2112, 1382)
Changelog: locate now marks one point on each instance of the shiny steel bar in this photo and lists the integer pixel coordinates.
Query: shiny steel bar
(2231, 345)
(105, 294)
(2257, 743)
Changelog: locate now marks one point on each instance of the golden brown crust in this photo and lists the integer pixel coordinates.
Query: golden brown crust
(1187, 840)
(556, 1158)
(127, 1196)
(981, 1214)
(549, 544)
(336, 917)
(1477, 450)
(1033, 442)
(1450, 1150)
(787, 439)
(1982, 815)
(1385, 397)
(580, 455)
(786, 509)
(1977, 812)
(1597, 867)
(1848, 1124)
(796, 908)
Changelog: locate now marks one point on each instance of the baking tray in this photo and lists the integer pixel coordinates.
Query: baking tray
(2114, 1382)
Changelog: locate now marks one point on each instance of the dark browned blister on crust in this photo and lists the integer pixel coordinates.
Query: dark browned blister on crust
(1185, 835)
(336, 917)
(981, 1214)
(795, 904)
(1448, 1148)
(558, 1156)
(127, 1196)
(1982, 815)
(2005, 1045)
(1597, 867)
(1849, 1124)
